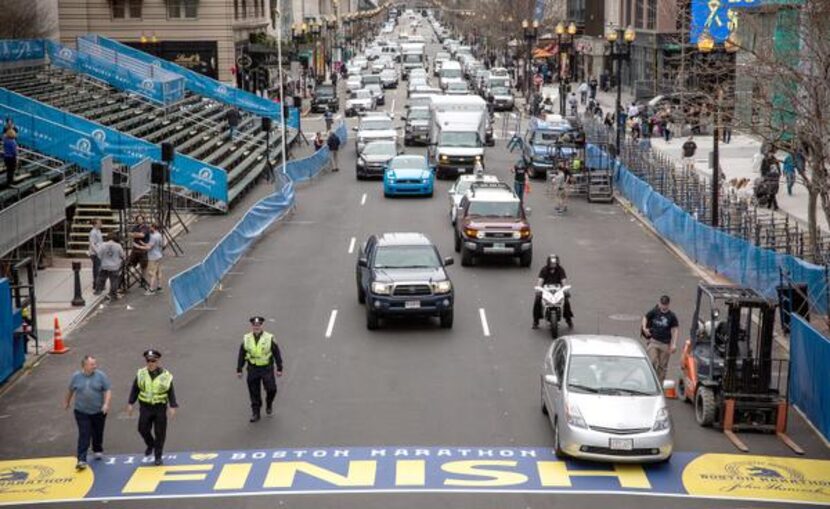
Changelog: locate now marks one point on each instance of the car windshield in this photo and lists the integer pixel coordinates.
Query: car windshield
(450, 73)
(362, 94)
(379, 148)
(407, 163)
(419, 114)
(400, 257)
(371, 80)
(500, 91)
(546, 137)
(412, 59)
(606, 374)
(457, 86)
(376, 124)
(494, 208)
(500, 82)
(464, 139)
(325, 92)
(417, 82)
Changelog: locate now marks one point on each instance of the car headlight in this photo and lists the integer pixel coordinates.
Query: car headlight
(574, 416)
(381, 288)
(441, 287)
(443, 157)
(478, 158)
(661, 420)
(361, 162)
(517, 234)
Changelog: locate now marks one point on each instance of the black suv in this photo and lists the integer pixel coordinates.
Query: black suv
(402, 274)
(325, 98)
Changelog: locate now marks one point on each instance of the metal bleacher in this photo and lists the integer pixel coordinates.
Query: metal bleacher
(195, 125)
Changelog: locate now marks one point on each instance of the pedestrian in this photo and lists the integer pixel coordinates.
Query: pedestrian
(261, 353)
(659, 328)
(609, 120)
(665, 124)
(232, 117)
(333, 143)
(584, 88)
(772, 181)
(561, 180)
(153, 389)
(689, 148)
(520, 178)
(789, 173)
(592, 84)
(154, 247)
(334, 78)
(96, 238)
(10, 155)
(140, 233)
(573, 103)
(726, 129)
(603, 81)
(329, 118)
(318, 141)
(91, 389)
(112, 257)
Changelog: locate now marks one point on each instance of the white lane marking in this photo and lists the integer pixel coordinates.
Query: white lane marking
(393, 107)
(330, 327)
(363, 199)
(484, 327)
(351, 245)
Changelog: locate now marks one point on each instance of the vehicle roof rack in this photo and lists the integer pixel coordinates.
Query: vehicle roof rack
(489, 185)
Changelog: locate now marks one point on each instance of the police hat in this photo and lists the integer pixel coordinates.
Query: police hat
(257, 320)
(152, 354)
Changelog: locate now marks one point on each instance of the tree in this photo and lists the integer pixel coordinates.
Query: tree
(25, 19)
(790, 68)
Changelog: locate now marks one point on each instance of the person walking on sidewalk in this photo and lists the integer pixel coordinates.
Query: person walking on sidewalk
(659, 328)
(112, 260)
(789, 173)
(333, 143)
(91, 389)
(155, 253)
(259, 350)
(153, 389)
(772, 182)
(689, 148)
(96, 238)
(329, 118)
(592, 84)
(520, 179)
(140, 233)
(584, 89)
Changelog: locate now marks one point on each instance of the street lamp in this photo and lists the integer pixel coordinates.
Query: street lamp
(531, 31)
(563, 54)
(619, 42)
(706, 45)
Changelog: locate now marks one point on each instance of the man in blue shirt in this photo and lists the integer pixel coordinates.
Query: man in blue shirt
(9, 155)
(91, 390)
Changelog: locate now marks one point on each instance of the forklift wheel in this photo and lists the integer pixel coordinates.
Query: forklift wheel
(705, 406)
(681, 389)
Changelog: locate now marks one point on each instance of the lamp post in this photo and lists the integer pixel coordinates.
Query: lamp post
(331, 33)
(531, 31)
(619, 42)
(706, 45)
(563, 54)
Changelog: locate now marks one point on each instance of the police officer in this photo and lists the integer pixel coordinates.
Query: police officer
(260, 352)
(153, 388)
(552, 274)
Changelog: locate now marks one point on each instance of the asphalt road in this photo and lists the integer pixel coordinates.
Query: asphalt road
(408, 384)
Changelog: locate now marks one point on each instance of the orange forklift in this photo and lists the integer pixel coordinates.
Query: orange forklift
(728, 370)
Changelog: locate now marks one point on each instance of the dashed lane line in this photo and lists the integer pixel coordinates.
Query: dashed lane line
(351, 245)
(330, 328)
(363, 199)
(484, 325)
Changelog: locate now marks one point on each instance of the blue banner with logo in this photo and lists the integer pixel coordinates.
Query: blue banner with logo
(187, 172)
(719, 17)
(120, 77)
(12, 50)
(447, 470)
(199, 83)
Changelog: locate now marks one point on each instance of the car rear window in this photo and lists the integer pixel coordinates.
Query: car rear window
(494, 209)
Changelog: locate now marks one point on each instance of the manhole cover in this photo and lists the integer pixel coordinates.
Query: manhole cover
(625, 318)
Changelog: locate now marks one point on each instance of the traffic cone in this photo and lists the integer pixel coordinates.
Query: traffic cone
(58, 346)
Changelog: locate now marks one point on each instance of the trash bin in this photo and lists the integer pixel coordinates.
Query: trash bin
(792, 298)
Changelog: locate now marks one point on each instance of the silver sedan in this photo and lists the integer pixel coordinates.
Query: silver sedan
(604, 401)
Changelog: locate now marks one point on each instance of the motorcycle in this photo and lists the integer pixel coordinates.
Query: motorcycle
(553, 305)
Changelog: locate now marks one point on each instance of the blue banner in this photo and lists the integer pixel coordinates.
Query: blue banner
(446, 470)
(719, 17)
(199, 83)
(122, 78)
(809, 368)
(190, 173)
(12, 50)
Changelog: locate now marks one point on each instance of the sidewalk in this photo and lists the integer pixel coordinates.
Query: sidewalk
(735, 161)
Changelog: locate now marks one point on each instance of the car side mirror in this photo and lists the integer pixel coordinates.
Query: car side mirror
(552, 380)
(362, 262)
(448, 261)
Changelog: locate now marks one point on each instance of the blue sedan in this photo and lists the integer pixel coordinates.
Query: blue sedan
(408, 175)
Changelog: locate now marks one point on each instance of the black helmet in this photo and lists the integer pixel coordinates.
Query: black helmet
(553, 257)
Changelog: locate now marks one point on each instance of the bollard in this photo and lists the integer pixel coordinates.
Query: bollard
(78, 300)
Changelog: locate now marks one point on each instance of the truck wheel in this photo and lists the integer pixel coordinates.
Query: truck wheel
(526, 258)
(466, 257)
(705, 406)
(446, 320)
(457, 242)
(372, 320)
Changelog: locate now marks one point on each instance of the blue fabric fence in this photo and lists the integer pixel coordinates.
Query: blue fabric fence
(809, 389)
(192, 287)
(737, 259)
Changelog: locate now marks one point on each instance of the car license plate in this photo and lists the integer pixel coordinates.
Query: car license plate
(498, 245)
(621, 444)
(412, 304)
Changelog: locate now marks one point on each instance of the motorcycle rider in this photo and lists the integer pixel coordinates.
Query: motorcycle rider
(552, 274)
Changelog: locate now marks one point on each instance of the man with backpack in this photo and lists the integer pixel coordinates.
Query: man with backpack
(333, 143)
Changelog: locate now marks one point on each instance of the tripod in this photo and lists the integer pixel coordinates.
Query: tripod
(165, 210)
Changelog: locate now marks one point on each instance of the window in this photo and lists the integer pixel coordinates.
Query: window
(651, 15)
(638, 21)
(244, 9)
(186, 9)
(235, 9)
(126, 9)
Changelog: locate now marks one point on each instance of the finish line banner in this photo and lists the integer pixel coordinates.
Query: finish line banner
(410, 470)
